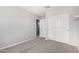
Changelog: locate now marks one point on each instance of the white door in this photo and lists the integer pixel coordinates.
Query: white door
(58, 28)
(43, 28)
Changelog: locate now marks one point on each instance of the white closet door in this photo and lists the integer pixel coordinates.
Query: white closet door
(58, 28)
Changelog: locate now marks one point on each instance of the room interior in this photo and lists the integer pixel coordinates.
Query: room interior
(39, 29)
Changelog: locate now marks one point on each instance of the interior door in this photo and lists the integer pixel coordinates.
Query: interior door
(43, 28)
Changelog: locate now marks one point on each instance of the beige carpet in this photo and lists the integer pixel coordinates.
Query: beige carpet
(40, 45)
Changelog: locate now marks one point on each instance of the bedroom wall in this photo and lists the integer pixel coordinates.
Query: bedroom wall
(16, 25)
(73, 32)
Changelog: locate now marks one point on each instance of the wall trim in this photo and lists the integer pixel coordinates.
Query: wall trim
(17, 43)
(65, 42)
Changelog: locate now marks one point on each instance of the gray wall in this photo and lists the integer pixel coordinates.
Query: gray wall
(16, 25)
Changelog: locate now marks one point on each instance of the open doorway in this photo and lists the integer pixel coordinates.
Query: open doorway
(37, 27)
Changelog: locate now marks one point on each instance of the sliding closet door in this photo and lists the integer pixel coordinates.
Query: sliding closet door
(58, 28)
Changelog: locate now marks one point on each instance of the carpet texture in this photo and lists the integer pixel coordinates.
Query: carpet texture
(40, 45)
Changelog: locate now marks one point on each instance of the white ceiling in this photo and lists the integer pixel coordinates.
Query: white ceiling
(36, 10)
(40, 10)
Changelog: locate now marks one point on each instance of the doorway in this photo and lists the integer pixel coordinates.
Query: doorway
(37, 27)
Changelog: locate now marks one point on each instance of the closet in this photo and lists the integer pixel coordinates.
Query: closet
(58, 28)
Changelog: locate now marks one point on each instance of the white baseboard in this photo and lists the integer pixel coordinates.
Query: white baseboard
(17, 43)
(65, 42)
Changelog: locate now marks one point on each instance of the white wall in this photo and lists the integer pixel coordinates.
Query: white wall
(16, 25)
(76, 30)
(73, 31)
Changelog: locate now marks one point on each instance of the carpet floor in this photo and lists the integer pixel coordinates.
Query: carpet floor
(40, 45)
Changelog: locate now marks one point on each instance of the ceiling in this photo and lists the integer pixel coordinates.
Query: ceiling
(40, 10)
(36, 10)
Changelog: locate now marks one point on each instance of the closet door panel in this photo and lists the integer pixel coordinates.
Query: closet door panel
(58, 28)
(51, 27)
